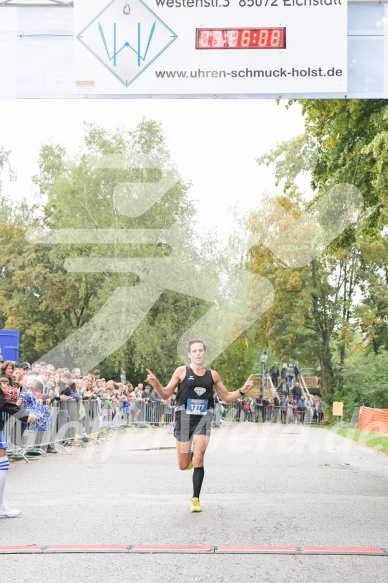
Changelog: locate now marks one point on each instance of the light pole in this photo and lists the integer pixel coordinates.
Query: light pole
(263, 360)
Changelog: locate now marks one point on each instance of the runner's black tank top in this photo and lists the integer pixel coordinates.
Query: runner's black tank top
(191, 382)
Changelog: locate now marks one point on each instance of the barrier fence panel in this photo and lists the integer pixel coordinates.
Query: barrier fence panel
(91, 421)
(373, 420)
(233, 412)
(13, 431)
(79, 421)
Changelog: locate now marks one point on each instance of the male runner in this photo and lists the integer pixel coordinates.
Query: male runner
(194, 410)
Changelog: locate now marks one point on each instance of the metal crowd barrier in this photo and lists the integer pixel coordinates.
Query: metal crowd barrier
(237, 413)
(76, 422)
(71, 422)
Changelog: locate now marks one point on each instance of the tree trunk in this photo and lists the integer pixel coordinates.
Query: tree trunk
(323, 338)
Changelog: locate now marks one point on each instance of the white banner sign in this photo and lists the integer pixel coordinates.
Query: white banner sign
(198, 47)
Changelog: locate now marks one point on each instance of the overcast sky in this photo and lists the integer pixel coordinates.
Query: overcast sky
(214, 143)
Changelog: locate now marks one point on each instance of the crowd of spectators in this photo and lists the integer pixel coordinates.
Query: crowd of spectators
(41, 385)
(283, 408)
(290, 404)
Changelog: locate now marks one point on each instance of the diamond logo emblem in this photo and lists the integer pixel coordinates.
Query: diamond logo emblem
(200, 391)
(126, 37)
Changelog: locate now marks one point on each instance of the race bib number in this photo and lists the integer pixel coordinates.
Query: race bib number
(196, 406)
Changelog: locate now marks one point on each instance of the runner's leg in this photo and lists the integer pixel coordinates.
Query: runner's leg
(200, 445)
(183, 453)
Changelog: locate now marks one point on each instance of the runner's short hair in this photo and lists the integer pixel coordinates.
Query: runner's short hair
(195, 342)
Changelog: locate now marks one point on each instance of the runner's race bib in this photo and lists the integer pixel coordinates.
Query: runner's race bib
(196, 406)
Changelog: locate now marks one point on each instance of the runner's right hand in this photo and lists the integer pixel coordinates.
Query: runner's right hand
(151, 378)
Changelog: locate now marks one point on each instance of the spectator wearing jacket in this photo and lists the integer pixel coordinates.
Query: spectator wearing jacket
(269, 411)
(168, 410)
(148, 409)
(9, 409)
(156, 408)
(10, 388)
(284, 371)
(296, 371)
(76, 373)
(42, 381)
(258, 406)
(275, 408)
(319, 410)
(239, 407)
(136, 401)
(284, 389)
(274, 372)
(247, 409)
(7, 370)
(264, 405)
(290, 410)
(217, 410)
(290, 375)
(36, 367)
(69, 389)
(295, 411)
(301, 409)
(309, 410)
(298, 391)
(283, 404)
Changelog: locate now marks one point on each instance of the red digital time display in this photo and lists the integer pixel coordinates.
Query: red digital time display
(240, 38)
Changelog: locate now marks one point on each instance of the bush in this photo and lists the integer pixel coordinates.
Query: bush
(365, 382)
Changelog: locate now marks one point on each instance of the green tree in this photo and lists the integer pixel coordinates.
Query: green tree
(372, 311)
(45, 300)
(344, 288)
(365, 381)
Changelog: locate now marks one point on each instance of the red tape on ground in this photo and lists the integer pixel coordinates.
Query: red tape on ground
(172, 549)
(16, 549)
(254, 549)
(86, 549)
(343, 551)
(195, 549)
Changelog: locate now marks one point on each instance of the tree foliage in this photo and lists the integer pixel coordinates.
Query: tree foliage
(320, 307)
(42, 298)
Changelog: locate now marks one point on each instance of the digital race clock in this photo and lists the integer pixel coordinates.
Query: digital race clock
(240, 38)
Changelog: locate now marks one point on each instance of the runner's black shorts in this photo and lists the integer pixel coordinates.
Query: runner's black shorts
(188, 425)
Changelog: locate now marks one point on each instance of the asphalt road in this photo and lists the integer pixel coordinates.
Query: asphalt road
(268, 485)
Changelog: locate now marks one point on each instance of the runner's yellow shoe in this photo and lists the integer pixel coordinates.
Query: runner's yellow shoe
(195, 505)
(190, 466)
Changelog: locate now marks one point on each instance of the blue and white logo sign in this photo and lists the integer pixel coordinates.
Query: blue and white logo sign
(128, 47)
(126, 37)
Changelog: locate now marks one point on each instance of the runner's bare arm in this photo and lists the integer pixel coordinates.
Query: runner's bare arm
(226, 396)
(165, 392)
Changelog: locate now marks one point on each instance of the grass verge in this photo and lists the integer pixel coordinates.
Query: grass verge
(368, 438)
